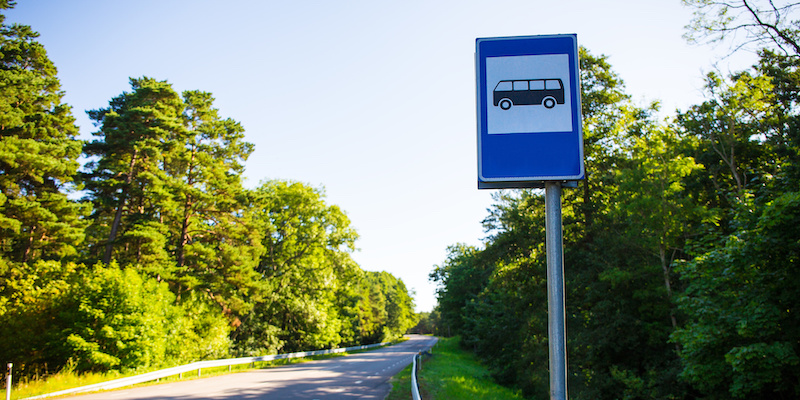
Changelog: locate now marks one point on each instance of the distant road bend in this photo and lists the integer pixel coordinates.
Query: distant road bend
(357, 376)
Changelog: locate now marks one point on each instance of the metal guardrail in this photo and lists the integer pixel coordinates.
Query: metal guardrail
(199, 365)
(414, 383)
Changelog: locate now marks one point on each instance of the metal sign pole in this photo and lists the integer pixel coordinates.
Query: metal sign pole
(556, 325)
(538, 141)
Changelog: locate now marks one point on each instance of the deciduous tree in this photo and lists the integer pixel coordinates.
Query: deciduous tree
(751, 24)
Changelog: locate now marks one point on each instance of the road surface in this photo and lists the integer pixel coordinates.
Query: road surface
(357, 376)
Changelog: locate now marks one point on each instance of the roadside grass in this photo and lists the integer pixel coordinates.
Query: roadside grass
(451, 373)
(69, 379)
(58, 381)
(401, 385)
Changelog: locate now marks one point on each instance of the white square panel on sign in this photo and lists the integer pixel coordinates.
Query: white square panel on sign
(528, 94)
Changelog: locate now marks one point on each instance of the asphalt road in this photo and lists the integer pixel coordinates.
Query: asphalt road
(357, 376)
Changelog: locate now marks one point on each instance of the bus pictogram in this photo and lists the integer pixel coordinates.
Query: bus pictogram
(527, 92)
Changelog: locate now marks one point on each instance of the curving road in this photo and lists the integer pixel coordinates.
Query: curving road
(357, 376)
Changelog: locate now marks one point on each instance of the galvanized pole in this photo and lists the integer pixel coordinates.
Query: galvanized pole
(8, 382)
(556, 325)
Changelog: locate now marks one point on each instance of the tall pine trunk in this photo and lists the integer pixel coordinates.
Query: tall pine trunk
(112, 236)
(183, 238)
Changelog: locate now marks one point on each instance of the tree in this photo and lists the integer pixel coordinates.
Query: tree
(460, 279)
(659, 211)
(427, 324)
(306, 249)
(212, 247)
(166, 182)
(125, 178)
(399, 306)
(728, 124)
(29, 297)
(620, 230)
(206, 170)
(605, 115)
(752, 23)
(104, 318)
(38, 153)
(740, 339)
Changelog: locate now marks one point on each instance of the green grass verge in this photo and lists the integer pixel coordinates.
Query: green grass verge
(451, 373)
(401, 386)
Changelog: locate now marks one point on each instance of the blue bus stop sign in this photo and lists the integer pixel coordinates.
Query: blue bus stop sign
(529, 111)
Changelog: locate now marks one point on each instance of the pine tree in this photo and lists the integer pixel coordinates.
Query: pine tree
(126, 180)
(38, 153)
(212, 247)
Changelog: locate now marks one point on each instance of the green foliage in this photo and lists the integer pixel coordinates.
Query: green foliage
(38, 154)
(310, 294)
(211, 249)
(208, 268)
(305, 242)
(679, 251)
(739, 339)
(399, 306)
(126, 180)
(166, 183)
(427, 323)
(118, 320)
(741, 300)
(459, 282)
(30, 298)
(103, 318)
(622, 229)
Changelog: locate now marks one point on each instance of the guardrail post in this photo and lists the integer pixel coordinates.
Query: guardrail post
(8, 382)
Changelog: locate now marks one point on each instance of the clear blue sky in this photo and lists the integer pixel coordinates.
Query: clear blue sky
(372, 100)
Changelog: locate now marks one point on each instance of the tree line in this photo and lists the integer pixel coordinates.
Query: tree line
(680, 246)
(166, 258)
